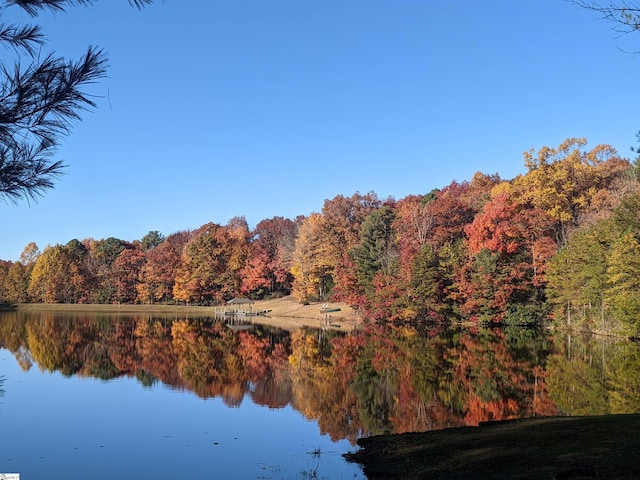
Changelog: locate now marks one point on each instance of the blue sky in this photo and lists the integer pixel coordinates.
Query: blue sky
(214, 109)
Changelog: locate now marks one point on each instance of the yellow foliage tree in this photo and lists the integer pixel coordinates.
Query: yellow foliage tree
(563, 181)
(312, 265)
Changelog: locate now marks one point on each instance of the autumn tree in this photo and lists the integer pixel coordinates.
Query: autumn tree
(454, 207)
(80, 278)
(563, 181)
(126, 272)
(348, 287)
(509, 246)
(60, 275)
(343, 217)
(4, 270)
(29, 255)
(312, 265)
(102, 255)
(211, 263)
(15, 282)
(196, 278)
(626, 215)
(234, 241)
(268, 267)
(158, 274)
(418, 253)
(325, 239)
(49, 278)
(415, 221)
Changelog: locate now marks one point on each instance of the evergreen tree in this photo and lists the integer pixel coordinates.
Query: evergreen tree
(39, 102)
(624, 281)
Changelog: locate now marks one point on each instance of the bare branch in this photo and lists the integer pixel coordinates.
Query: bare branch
(624, 14)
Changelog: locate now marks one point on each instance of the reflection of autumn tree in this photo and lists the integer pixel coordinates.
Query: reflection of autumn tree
(386, 380)
(12, 337)
(428, 397)
(595, 376)
(624, 379)
(200, 355)
(122, 345)
(12, 331)
(265, 366)
(315, 393)
(372, 381)
(153, 341)
(90, 339)
(254, 352)
(499, 381)
(51, 344)
(376, 382)
(274, 390)
(207, 360)
(449, 379)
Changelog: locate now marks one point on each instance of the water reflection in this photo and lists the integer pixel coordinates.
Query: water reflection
(369, 382)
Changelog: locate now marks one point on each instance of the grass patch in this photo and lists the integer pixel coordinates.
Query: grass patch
(284, 312)
(603, 447)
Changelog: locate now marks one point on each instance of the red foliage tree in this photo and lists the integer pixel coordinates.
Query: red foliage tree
(126, 271)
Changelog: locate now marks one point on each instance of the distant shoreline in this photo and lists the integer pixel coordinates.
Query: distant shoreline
(284, 312)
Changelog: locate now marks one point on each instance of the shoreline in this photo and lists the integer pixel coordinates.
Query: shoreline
(285, 312)
(569, 448)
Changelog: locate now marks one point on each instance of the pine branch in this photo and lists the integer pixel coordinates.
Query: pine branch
(34, 7)
(40, 103)
(26, 171)
(38, 106)
(26, 37)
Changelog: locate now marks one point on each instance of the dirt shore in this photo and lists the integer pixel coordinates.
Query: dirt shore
(283, 312)
(569, 448)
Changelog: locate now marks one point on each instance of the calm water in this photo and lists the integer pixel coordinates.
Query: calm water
(106, 396)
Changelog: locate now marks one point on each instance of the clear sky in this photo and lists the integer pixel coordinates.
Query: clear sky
(214, 109)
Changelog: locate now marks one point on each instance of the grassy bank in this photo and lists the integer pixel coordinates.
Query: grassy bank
(604, 447)
(284, 312)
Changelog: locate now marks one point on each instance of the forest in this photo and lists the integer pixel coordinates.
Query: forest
(559, 243)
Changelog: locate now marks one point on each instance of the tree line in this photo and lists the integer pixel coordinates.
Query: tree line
(561, 240)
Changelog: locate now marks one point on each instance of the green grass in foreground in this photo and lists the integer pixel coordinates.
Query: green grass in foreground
(604, 447)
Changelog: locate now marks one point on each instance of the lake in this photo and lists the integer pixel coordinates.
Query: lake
(146, 396)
